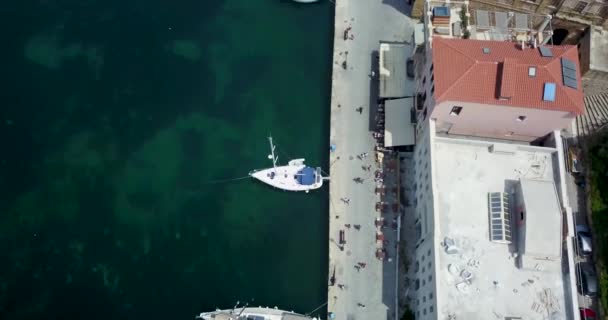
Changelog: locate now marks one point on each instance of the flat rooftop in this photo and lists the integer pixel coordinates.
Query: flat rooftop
(465, 174)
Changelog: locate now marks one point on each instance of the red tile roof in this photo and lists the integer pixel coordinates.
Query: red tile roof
(464, 73)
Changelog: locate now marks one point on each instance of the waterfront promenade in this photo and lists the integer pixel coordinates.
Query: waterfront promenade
(368, 292)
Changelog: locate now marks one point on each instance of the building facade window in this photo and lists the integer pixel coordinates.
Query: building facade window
(604, 11)
(521, 118)
(580, 6)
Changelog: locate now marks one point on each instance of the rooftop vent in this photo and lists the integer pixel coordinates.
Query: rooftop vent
(486, 50)
(569, 73)
(545, 52)
(500, 217)
(549, 92)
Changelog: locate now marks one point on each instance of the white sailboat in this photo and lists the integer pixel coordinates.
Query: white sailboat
(295, 176)
(248, 313)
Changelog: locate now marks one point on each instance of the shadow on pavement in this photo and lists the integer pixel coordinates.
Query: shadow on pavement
(373, 89)
(402, 6)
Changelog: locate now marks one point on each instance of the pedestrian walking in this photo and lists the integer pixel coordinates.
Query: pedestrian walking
(341, 286)
(347, 225)
(357, 227)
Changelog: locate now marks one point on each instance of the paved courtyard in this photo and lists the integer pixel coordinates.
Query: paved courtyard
(361, 285)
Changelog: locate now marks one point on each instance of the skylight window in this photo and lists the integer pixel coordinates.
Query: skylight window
(500, 217)
(486, 50)
(549, 92)
(532, 72)
(456, 111)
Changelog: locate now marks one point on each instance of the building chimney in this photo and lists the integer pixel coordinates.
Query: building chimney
(523, 45)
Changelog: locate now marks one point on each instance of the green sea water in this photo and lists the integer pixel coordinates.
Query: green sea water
(115, 116)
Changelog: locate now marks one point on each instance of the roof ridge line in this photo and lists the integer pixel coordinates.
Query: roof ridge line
(464, 74)
(474, 62)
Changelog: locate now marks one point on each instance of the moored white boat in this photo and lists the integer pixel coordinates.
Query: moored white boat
(295, 176)
(247, 313)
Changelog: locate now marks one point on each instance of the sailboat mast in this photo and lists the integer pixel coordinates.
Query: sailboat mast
(274, 158)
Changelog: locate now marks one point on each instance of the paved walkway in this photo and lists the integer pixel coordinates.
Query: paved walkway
(368, 292)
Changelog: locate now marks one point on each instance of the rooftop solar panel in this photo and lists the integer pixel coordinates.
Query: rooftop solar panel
(569, 82)
(567, 63)
(545, 52)
(569, 73)
(521, 21)
(483, 19)
(502, 21)
(441, 12)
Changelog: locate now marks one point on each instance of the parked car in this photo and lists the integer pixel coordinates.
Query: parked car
(410, 68)
(587, 314)
(587, 279)
(583, 238)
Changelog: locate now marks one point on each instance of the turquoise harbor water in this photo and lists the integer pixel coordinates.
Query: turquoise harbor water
(115, 116)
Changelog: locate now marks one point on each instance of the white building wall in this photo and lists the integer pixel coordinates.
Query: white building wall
(425, 302)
